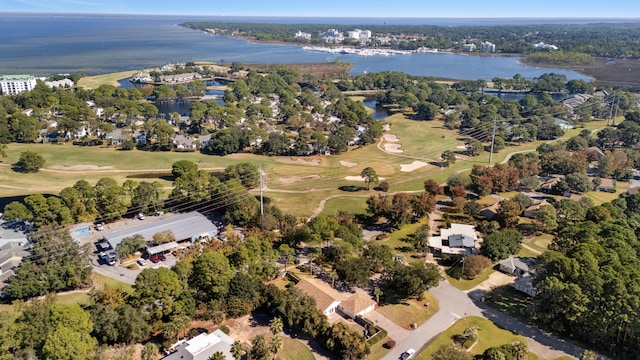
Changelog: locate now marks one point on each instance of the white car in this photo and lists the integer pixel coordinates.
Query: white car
(142, 262)
(141, 216)
(408, 354)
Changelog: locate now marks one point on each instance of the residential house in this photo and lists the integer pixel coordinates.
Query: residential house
(11, 255)
(528, 212)
(459, 239)
(516, 266)
(593, 153)
(550, 184)
(576, 100)
(633, 190)
(329, 301)
(544, 46)
(302, 35)
(490, 211)
(203, 346)
(327, 298)
(524, 270)
(563, 124)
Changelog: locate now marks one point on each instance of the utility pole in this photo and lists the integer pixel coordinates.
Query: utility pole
(613, 100)
(616, 111)
(493, 138)
(261, 200)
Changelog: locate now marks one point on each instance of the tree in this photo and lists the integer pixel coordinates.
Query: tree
(501, 244)
(547, 217)
(211, 275)
(237, 350)
(149, 351)
(420, 239)
(246, 172)
(578, 182)
(475, 265)
(448, 158)
(508, 213)
(451, 352)
(432, 187)
(146, 196)
(276, 345)
(182, 167)
(158, 289)
(130, 245)
(353, 271)
(523, 200)
(276, 325)
(370, 176)
(474, 147)
(217, 356)
(29, 162)
(377, 292)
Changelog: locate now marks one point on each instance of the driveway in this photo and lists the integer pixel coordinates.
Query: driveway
(394, 331)
(455, 304)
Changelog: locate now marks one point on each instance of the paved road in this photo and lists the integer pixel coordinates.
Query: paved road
(455, 304)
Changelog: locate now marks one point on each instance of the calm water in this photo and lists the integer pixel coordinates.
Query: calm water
(42, 45)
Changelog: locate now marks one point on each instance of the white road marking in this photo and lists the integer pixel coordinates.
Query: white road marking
(457, 316)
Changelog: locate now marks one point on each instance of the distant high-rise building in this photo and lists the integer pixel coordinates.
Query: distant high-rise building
(15, 84)
(332, 36)
(487, 47)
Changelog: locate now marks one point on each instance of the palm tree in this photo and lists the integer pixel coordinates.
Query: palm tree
(377, 292)
(217, 356)
(276, 345)
(237, 350)
(276, 325)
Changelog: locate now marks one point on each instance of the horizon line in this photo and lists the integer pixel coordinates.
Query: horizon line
(323, 17)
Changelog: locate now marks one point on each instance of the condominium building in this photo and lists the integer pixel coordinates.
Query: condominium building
(487, 47)
(469, 47)
(15, 84)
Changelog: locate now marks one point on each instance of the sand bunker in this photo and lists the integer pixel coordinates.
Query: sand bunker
(393, 148)
(413, 166)
(347, 163)
(81, 167)
(390, 138)
(293, 179)
(300, 161)
(463, 147)
(386, 127)
(359, 178)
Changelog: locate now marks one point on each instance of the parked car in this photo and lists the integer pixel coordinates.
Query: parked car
(162, 257)
(99, 227)
(141, 216)
(408, 354)
(154, 259)
(142, 262)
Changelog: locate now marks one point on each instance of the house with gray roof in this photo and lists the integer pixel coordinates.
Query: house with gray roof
(11, 255)
(459, 239)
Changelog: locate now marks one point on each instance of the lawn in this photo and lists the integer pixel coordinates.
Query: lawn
(489, 336)
(351, 203)
(463, 284)
(510, 301)
(294, 349)
(378, 351)
(541, 242)
(526, 253)
(410, 311)
(395, 240)
(93, 82)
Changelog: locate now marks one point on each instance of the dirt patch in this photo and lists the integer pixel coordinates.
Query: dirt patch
(294, 179)
(246, 328)
(317, 70)
(393, 148)
(81, 167)
(413, 166)
(347, 163)
(315, 162)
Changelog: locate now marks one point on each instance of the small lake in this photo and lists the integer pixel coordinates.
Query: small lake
(379, 112)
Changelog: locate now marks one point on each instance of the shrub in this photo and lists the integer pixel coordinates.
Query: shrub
(389, 344)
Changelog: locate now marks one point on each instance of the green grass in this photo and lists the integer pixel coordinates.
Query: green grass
(295, 350)
(395, 240)
(526, 253)
(489, 336)
(101, 281)
(601, 197)
(463, 284)
(93, 82)
(377, 350)
(356, 205)
(510, 301)
(410, 311)
(541, 242)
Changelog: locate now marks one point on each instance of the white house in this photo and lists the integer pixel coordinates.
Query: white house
(203, 346)
(302, 35)
(459, 239)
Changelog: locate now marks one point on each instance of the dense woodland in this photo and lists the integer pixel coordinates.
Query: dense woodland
(596, 39)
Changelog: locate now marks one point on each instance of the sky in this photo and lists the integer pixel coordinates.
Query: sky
(339, 8)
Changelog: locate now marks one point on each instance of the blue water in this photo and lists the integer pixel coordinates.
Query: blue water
(47, 44)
